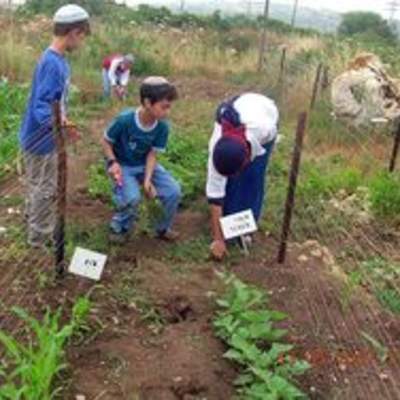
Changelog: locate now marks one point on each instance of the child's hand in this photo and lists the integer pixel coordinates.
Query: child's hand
(115, 172)
(218, 249)
(149, 190)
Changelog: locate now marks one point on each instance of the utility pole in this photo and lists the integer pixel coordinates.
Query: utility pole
(393, 8)
(294, 15)
(182, 6)
(249, 8)
(263, 42)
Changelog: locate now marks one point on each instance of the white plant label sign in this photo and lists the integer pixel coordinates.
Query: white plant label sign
(88, 264)
(239, 224)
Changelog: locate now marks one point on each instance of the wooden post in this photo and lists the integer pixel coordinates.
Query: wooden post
(282, 67)
(263, 42)
(281, 79)
(59, 234)
(396, 147)
(294, 172)
(316, 86)
(325, 81)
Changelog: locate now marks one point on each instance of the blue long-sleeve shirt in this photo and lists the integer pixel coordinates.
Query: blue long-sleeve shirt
(50, 83)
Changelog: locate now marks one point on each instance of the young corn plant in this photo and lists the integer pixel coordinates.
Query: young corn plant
(256, 345)
(28, 371)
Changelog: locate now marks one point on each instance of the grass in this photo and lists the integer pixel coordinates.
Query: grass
(92, 237)
(127, 292)
(12, 103)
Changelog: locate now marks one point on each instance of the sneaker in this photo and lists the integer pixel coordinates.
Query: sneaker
(168, 236)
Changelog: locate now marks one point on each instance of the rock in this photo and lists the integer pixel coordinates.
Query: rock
(303, 258)
(316, 253)
(3, 230)
(383, 377)
(311, 243)
(80, 397)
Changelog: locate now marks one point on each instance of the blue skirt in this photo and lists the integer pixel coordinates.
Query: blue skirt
(248, 189)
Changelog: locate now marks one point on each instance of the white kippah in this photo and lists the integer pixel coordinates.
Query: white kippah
(155, 81)
(70, 14)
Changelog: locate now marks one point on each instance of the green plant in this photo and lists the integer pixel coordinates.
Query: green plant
(255, 344)
(94, 237)
(385, 196)
(99, 184)
(29, 369)
(187, 165)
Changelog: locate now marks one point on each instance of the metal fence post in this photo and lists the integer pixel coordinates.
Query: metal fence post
(59, 234)
(294, 172)
(316, 86)
(396, 147)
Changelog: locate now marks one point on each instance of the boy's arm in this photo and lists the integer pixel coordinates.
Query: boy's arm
(151, 162)
(113, 166)
(216, 185)
(50, 90)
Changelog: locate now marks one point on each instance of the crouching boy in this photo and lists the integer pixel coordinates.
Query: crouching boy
(131, 144)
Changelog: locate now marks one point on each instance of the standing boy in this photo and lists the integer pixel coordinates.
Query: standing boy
(116, 74)
(240, 148)
(131, 145)
(50, 84)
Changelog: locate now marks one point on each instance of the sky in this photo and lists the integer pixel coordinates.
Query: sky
(336, 5)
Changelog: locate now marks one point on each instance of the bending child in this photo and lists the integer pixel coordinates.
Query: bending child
(239, 152)
(131, 144)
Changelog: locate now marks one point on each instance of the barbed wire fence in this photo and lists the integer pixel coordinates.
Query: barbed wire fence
(305, 218)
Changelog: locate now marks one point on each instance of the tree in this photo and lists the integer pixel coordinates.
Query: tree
(354, 23)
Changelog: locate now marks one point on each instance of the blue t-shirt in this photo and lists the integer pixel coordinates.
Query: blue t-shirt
(50, 84)
(132, 142)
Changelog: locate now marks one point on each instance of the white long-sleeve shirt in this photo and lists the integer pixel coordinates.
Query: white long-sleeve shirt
(117, 77)
(260, 116)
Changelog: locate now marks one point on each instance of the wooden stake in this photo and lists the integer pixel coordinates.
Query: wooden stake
(294, 172)
(282, 67)
(281, 79)
(59, 235)
(316, 86)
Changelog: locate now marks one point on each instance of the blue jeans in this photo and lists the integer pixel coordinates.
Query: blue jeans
(106, 84)
(127, 198)
(248, 189)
